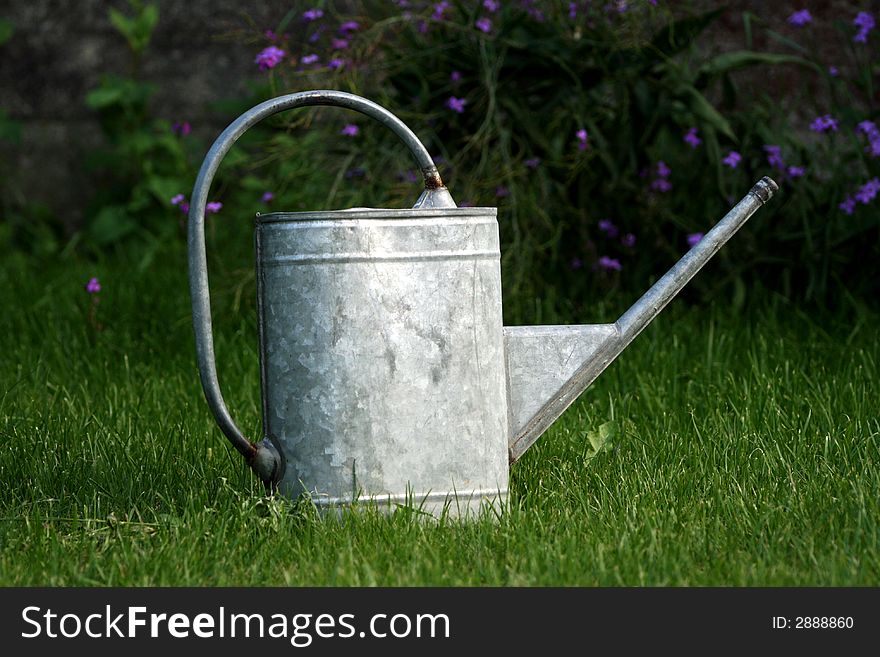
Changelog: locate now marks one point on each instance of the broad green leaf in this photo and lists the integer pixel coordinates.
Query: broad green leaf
(122, 23)
(702, 108)
(163, 188)
(678, 35)
(791, 43)
(731, 61)
(602, 439)
(104, 96)
(111, 224)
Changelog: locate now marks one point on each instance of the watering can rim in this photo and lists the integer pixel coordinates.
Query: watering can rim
(374, 213)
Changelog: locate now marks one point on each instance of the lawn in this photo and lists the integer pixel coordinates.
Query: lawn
(746, 454)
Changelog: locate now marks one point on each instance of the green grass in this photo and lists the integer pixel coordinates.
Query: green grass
(746, 454)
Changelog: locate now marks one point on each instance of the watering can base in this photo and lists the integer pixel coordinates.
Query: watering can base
(466, 505)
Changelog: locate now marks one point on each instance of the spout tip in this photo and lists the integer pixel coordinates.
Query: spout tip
(764, 189)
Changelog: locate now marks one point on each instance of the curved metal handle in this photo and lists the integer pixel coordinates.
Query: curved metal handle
(263, 457)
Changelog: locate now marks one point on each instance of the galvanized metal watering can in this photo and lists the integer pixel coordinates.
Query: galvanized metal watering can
(387, 375)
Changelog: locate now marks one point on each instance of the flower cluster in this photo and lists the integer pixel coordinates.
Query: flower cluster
(732, 159)
(212, 207)
(865, 22)
(269, 57)
(800, 18)
(691, 138)
(869, 129)
(865, 195)
(582, 137)
(826, 123)
(694, 238)
(456, 104)
(661, 183)
(181, 129)
(609, 264)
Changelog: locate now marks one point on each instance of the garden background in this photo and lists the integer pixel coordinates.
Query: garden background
(734, 443)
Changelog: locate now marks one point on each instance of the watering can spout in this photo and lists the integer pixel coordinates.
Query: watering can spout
(548, 367)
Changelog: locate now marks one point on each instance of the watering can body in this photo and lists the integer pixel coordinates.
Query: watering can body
(387, 375)
(382, 353)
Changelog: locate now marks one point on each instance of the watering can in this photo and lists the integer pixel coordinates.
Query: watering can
(386, 373)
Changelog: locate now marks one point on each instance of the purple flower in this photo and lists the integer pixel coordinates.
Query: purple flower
(502, 191)
(865, 22)
(316, 35)
(732, 159)
(660, 183)
(582, 139)
(572, 10)
(336, 63)
(350, 130)
(309, 59)
(455, 76)
(532, 162)
(868, 191)
(177, 199)
(93, 286)
(691, 138)
(267, 197)
(869, 129)
(440, 9)
(269, 34)
(628, 240)
(312, 14)
(349, 26)
(608, 227)
(826, 123)
(800, 18)
(184, 207)
(576, 263)
(774, 156)
(491, 5)
(484, 25)
(213, 207)
(456, 104)
(609, 264)
(848, 205)
(181, 129)
(269, 58)
(339, 44)
(833, 72)
(795, 171)
(694, 238)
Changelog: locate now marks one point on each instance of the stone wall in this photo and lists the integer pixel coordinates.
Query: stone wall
(60, 49)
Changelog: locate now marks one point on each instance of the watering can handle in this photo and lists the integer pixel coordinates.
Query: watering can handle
(263, 457)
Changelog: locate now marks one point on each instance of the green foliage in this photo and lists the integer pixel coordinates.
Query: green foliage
(580, 220)
(636, 82)
(144, 163)
(137, 29)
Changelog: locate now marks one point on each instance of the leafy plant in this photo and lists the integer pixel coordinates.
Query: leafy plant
(608, 139)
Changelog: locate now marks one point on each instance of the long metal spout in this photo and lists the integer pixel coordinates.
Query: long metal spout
(550, 366)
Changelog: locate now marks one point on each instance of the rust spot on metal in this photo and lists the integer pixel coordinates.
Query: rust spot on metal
(432, 179)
